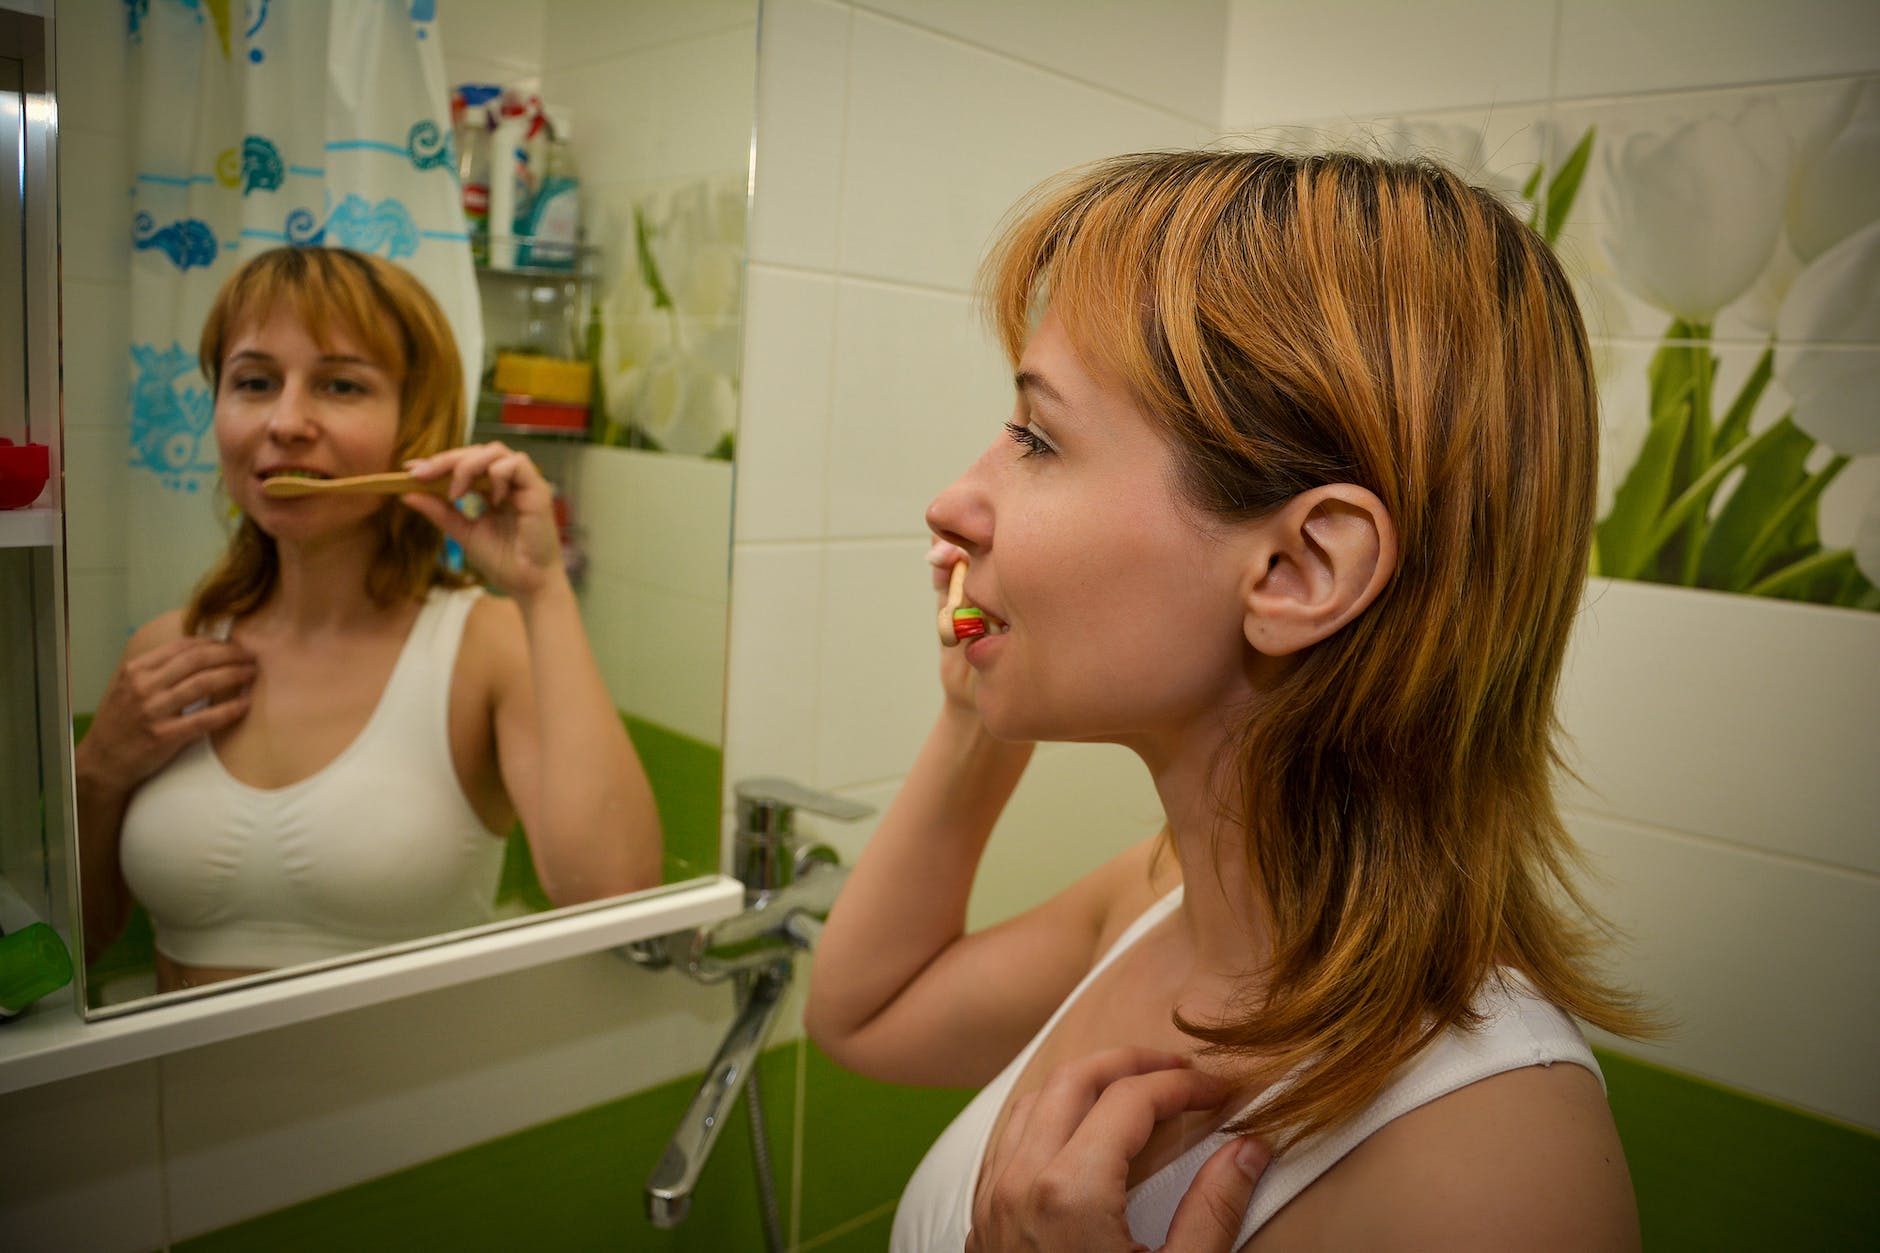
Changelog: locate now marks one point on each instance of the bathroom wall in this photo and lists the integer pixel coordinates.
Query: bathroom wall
(1721, 800)
(891, 138)
(1724, 743)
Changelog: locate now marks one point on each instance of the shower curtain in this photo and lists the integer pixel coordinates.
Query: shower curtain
(256, 125)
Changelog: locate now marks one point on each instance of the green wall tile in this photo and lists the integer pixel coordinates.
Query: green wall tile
(686, 776)
(862, 1140)
(1716, 1169)
(574, 1184)
(866, 1237)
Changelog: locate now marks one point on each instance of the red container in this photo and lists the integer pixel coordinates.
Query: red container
(24, 469)
(544, 415)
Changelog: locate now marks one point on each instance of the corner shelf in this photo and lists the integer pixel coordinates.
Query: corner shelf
(36, 527)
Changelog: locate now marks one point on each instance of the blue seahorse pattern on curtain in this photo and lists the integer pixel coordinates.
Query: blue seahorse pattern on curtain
(272, 122)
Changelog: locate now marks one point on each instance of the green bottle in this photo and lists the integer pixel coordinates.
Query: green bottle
(33, 962)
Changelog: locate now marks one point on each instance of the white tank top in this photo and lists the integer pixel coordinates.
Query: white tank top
(1519, 1029)
(381, 845)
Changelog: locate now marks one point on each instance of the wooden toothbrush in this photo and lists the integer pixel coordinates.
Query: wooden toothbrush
(959, 621)
(393, 483)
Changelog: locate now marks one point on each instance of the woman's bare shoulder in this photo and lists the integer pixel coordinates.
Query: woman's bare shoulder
(1526, 1159)
(166, 628)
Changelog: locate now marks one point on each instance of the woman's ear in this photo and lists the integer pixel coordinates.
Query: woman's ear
(1317, 563)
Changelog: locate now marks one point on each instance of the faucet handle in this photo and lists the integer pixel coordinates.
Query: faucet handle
(783, 795)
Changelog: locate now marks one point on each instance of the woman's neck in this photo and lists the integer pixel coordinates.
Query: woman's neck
(1224, 904)
(320, 587)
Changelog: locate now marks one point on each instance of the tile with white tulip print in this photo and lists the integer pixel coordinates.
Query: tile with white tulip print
(1496, 148)
(1294, 59)
(1705, 206)
(1763, 965)
(678, 679)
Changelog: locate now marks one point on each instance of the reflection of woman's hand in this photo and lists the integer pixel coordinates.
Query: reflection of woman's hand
(1058, 1177)
(956, 676)
(149, 710)
(513, 543)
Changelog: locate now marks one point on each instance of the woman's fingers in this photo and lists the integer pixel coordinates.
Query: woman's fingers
(1211, 1211)
(1135, 1082)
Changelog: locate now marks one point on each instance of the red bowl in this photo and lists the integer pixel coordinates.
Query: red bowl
(24, 469)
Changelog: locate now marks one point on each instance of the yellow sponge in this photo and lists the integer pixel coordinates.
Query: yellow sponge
(545, 378)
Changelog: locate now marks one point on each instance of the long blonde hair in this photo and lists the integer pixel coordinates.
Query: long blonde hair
(1295, 321)
(401, 327)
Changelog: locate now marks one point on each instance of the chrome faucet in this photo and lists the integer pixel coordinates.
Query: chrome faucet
(789, 887)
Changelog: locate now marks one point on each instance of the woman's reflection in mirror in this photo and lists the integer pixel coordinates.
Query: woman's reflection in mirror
(321, 753)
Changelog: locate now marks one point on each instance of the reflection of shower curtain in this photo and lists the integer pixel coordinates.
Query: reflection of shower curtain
(234, 153)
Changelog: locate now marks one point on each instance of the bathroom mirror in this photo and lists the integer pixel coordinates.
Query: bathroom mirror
(654, 105)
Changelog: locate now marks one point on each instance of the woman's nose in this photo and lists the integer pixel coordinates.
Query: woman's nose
(962, 514)
(291, 415)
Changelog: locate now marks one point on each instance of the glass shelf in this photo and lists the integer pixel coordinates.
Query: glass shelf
(30, 527)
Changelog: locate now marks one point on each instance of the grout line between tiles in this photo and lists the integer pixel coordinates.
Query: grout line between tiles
(1718, 843)
(662, 45)
(1063, 76)
(842, 1229)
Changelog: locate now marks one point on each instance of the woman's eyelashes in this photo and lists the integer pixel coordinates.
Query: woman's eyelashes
(1030, 438)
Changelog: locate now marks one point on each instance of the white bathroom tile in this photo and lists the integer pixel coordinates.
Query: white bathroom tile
(1609, 47)
(772, 690)
(94, 205)
(583, 31)
(81, 1164)
(505, 35)
(878, 662)
(783, 421)
(943, 139)
(1078, 806)
(1166, 54)
(97, 356)
(1765, 965)
(920, 392)
(658, 519)
(610, 619)
(678, 675)
(94, 518)
(92, 64)
(682, 111)
(802, 100)
(264, 1121)
(1746, 719)
(98, 631)
(1292, 60)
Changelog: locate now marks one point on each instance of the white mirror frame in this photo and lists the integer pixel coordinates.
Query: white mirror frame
(52, 1042)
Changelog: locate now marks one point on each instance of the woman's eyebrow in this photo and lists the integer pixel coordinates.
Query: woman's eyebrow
(1036, 384)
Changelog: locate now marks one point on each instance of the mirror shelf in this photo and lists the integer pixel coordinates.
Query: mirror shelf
(29, 528)
(50, 1042)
